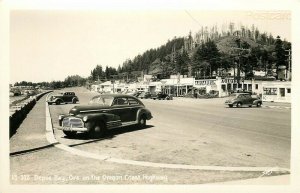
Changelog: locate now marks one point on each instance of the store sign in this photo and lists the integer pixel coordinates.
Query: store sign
(228, 81)
(205, 82)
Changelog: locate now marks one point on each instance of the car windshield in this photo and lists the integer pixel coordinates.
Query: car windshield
(233, 96)
(104, 101)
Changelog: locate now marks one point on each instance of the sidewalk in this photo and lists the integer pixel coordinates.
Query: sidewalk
(273, 180)
(277, 105)
(31, 133)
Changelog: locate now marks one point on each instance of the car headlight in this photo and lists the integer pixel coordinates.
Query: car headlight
(60, 117)
(85, 119)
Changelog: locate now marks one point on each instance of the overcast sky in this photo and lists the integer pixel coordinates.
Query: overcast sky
(50, 45)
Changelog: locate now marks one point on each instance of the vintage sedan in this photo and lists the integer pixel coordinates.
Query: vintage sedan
(63, 97)
(106, 111)
(241, 99)
(162, 96)
(145, 95)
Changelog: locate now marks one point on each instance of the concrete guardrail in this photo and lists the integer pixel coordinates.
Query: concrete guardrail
(18, 112)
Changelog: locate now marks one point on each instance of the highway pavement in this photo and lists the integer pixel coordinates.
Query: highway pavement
(202, 132)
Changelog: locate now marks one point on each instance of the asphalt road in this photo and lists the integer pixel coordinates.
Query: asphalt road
(183, 131)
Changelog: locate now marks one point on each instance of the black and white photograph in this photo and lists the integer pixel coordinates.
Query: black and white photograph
(112, 95)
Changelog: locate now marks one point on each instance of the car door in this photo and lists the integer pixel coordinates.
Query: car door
(66, 97)
(241, 99)
(121, 108)
(70, 96)
(248, 99)
(134, 107)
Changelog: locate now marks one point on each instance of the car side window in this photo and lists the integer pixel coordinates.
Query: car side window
(120, 101)
(132, 101)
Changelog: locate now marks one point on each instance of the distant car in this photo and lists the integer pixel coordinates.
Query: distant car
(162, 96)
(63, 97)
(243, 99)
(106, 111)
(145, 95)
(137, 93)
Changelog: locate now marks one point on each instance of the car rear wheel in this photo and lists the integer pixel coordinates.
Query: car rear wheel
(142, 121)
(258, 104)
(70, 133)
(74, 101)
(239, 104)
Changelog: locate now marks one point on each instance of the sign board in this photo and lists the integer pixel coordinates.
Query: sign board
(205, 82)
(228, 81)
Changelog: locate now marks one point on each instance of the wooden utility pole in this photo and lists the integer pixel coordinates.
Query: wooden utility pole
(240, 50)
(289, 71)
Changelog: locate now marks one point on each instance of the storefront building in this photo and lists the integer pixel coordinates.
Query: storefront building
(276, 91)
(177, 86)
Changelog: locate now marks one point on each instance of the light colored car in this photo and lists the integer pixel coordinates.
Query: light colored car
(243, 99)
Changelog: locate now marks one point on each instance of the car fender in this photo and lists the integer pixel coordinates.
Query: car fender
(234, 102)
(257, 101)
(56, 99)
(76, 98)
(143, 111)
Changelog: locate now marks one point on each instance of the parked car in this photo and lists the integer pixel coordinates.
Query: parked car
(106, 111)
(145, 95)
(63, 97)
(137, 93)
(162, 96)
(241, 99)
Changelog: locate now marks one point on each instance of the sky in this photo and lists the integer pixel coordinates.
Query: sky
(47, 45)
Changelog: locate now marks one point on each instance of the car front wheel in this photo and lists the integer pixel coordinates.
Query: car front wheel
(57, 102)
(239, 104)
(230, 106)
(99, 130)
(258, 104)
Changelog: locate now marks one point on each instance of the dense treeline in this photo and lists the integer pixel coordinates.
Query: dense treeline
(74, 80)
(213, 54)
(144, 61)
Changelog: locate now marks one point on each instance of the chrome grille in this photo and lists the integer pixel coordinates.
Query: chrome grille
(72, 122)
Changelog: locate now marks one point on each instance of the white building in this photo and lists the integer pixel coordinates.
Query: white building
(276, 91)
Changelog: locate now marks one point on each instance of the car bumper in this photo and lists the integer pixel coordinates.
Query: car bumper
(81, 129)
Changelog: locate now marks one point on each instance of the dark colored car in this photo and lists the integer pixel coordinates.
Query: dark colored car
(107, 111)
(162, 96)
(240, 99)
(64, 97)
(137, 93)
(145, 95)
